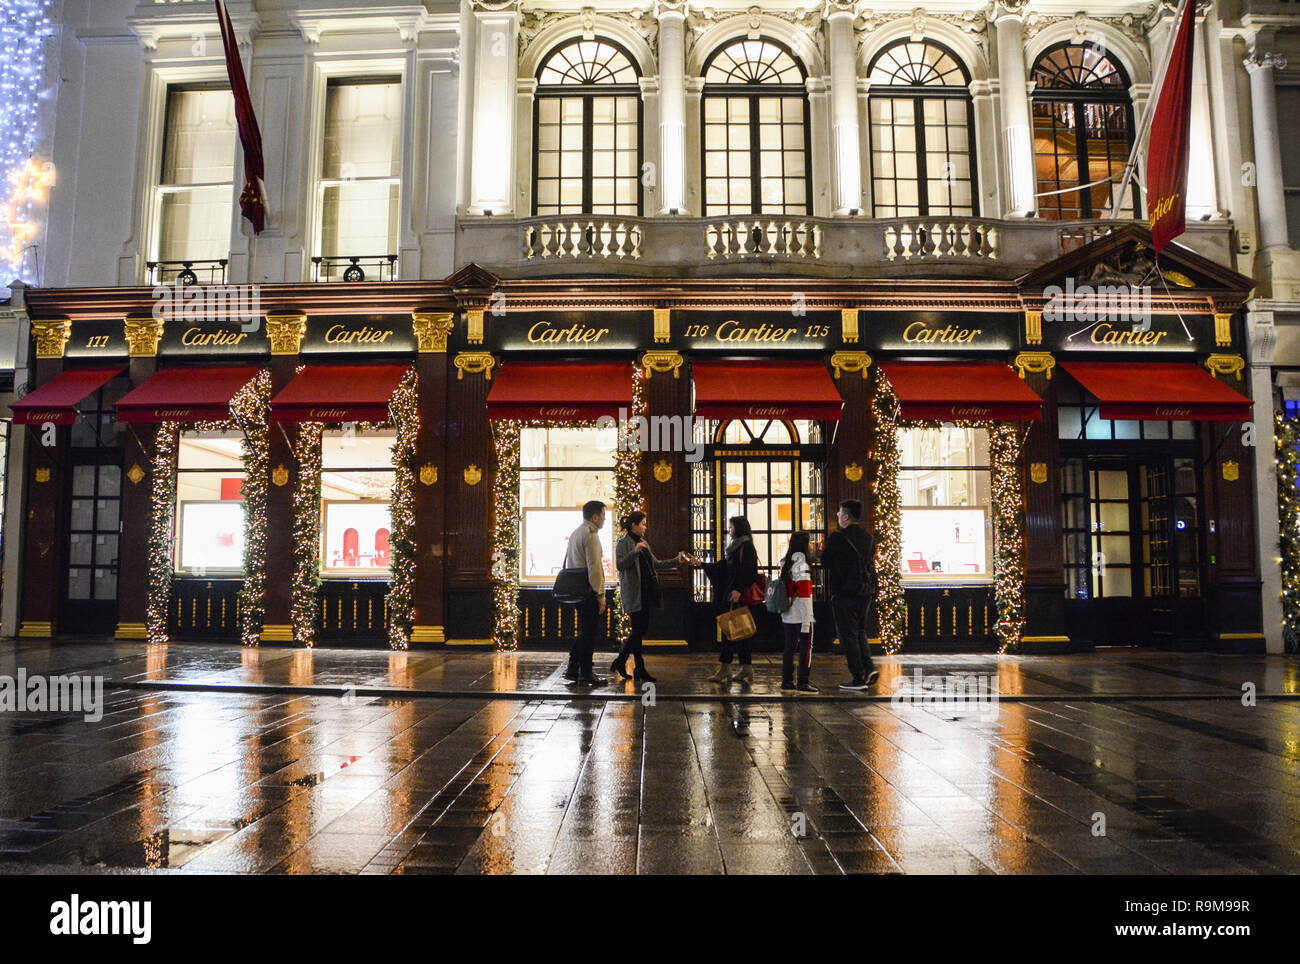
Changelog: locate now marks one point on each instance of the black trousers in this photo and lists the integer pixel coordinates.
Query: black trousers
(851, 626)
(590, 619)
(796, 641)
(632, 645)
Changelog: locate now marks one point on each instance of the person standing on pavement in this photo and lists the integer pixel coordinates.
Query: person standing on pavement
(849, 566)
(585, 552)
(731, 576)
(638, 591)
(797, 621)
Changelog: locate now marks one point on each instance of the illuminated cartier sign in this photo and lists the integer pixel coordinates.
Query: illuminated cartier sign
(920, 332)
(732, 331)
(342, 335)
(543, 334)
(328, 414)
(197, 337)
(558, 412)
(768, 412)
(969, 411)
(1165, 412)
(173, 412)
(1106, 334)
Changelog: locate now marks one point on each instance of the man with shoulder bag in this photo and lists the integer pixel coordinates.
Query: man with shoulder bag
(583, 563)
(849, 565)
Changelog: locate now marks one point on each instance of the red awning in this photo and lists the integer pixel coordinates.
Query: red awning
(57, 400)
(974, 391)
(338, 393)
(1160, 390)
(186, 395)
(560, 392)
(765, 389)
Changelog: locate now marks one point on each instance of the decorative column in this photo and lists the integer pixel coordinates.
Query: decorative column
(285, 333)
(432, 329)
(846, 139)
(496, 26)
(1017, 122)
(45, 506)
(1268, 149)
(666, 482)
(142, 337)
(1262, 339)
(672, 106)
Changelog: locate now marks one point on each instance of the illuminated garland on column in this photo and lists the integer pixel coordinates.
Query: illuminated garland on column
(405, 409)
(888, 515)
(1008, 533)
(306, 533)
(505, 535)
(24, 181)
(628, 496)
(161, 531)
(1286, 435)
(251, 410)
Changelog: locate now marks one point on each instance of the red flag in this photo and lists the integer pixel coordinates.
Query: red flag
(252, 200)
(1170, 139)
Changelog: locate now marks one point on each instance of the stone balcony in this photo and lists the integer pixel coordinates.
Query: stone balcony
(679, 247)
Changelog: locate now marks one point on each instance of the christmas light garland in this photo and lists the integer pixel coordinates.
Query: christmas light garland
(251, 410)
(888, 501)
(1008, 521)
(306, 532)
(161, 531)
(1286, 436)
(628, 496)
(25, 26)
(405, 409)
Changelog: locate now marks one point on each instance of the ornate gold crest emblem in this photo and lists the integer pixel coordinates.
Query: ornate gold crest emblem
(1038, 472)
(473, 475)
(135, 474)
(663, 471)
(280, 475)
(1231, 471)
(428, 474)
(42, 475)
(853, 472)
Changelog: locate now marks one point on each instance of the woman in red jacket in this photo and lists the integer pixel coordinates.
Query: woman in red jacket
(797, 621)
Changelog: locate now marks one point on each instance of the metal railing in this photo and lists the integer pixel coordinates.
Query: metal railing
(212, 272)
(355, 268)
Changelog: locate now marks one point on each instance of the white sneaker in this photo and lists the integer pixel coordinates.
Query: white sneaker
(723, 674)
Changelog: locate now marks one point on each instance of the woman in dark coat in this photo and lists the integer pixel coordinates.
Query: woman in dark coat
(730, 576)
(638, 590)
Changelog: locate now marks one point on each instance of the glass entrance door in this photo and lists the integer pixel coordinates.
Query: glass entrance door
(1131, 547)
(89, 603)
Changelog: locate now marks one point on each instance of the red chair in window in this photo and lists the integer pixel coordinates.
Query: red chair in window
(381, 548)
(351, 546)
(917, 563)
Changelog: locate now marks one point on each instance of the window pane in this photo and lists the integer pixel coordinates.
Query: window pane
(200, 137)
(363, 125)
(195, 224)
(359, 218)
(358, 449)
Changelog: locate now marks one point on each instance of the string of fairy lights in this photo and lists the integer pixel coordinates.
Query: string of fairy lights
(24, 181)
(161, 531)
(250, 409)
(1008, 522)
(306, 532)
(1286, 436)
(405, 410)
(506, 516)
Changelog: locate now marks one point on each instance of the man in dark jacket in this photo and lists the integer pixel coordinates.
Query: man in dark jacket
(849, 564)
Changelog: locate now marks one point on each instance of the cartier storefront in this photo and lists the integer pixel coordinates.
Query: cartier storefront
(400, 463)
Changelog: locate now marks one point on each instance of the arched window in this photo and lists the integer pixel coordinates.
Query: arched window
(587, 131)
(755, 131)
(1083, 131)
(922, 133)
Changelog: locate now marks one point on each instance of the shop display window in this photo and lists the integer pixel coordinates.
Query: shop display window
(944, 482)
(357, 477)
(210, 503)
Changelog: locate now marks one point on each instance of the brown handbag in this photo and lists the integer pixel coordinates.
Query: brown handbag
(737, 624)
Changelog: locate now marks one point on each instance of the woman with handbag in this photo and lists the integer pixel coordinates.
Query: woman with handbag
(732, 577)
(639, 591)
(797, 621)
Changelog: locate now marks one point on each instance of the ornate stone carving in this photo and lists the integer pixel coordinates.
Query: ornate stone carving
(662, 361)
(285, 333)
(432, 328)
(51, 337)
(142, 335)
(850, 361)
(1035, 363)
(1085, 27)
(475, 362)
(974, 22)
(1226, 365)
(849, 325)
(702, 18)
(533, 22)
(1264, 60)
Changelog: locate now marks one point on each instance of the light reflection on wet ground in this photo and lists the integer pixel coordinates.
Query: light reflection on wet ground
(517, 775)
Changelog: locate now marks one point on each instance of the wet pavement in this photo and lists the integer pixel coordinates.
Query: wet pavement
(214, 759)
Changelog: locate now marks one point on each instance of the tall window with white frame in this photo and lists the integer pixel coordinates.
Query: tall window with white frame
(756, 135)
(559, 470)
(922, 132)
(210, 503)
(195, 190)
(946, 490)
(587, 131)
(1083, 131)
(360, 176)
(357, 476)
